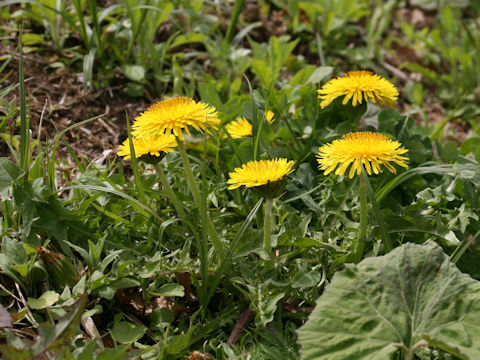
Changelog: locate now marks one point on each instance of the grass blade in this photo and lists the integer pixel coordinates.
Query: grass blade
(237, 9)
(144, 209)
(427, 168)
(24, 128)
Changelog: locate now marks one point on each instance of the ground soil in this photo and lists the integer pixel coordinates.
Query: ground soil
(57, 96)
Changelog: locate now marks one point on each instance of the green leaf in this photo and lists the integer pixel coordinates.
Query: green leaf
(265, 305)
(448, 151)
(80, 287)
(470, 145)
(435, 196)
(115, 353)
(32, 39)
(54, 337)
(161, 318)
(462, 218)
(86, 352)
(412, 297)
(319, 74)
(309, 279)
(126, 333)
(9, 172)
(14, 253)
(134, 72)
(21, 269)
(169, 290)
(302, 75)
(46, 300)
(134, 89)
(189, 38)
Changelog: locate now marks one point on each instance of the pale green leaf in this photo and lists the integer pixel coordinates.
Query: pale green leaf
(134, 72)
(170, 290)
(412, 297)
(319, 74)
(189, 38)
(46, 300)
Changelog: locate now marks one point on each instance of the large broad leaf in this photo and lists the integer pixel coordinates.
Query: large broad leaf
(412, 297)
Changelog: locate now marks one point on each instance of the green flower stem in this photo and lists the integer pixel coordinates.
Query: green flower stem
(197, 197)
(362, 231)
(360, 110)
(170, 194)
(267, 232)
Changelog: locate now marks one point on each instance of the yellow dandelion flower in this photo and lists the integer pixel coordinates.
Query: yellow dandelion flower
(258, 173)
(359, 85)
(148, 145)
(269, 115)
(367, 148)
(239, 128)
(175, 115)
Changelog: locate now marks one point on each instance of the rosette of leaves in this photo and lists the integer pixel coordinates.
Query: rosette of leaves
(410, 299)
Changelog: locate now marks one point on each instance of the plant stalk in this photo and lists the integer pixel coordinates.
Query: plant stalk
(362, 231)
(197, 197)
(237, 9)
(267, 232)
(170, 194)
(24, 126)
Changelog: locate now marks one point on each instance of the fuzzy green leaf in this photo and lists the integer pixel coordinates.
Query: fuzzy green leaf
(409, 298)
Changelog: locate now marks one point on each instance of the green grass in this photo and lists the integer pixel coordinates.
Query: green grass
(161, 260)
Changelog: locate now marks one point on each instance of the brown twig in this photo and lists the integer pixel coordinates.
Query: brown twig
(24, 302)
(245, 318)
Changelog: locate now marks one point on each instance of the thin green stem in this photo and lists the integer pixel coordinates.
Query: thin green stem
(359, 111)
(24, 127)
(204, 243)
(267, 232)
(169, 191)
(462, 247)
(277, 105)
(362, 231)
(237, 9)
(197, 197)
(256, 143)
(133, 159)
(387, 244)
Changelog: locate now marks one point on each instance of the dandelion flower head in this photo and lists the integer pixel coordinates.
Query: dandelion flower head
(174, 115)
(367, 148)
(258, 173)
(359, 85)
(269, 115)
(149, 145)
(239, 128)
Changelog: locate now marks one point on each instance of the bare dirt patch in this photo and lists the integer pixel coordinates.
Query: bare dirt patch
(58, 96)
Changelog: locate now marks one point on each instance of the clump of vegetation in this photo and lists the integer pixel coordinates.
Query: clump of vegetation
(244, 210)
